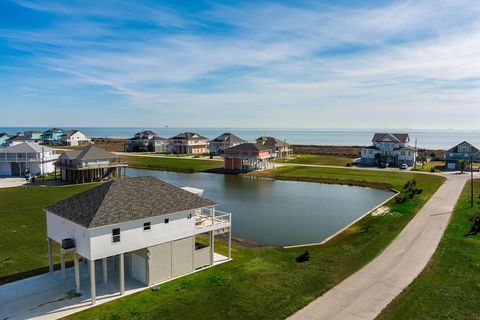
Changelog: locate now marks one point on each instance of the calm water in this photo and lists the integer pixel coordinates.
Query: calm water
(435, 139)
(279, 212)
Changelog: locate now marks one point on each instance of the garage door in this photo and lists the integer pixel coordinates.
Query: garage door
(182, 256)
(451, 166)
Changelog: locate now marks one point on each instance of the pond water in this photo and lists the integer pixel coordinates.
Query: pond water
(278, 212)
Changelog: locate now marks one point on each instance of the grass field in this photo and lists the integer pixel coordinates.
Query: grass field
(23, 238)
(449, 287)
(266, 282)
(172, 164)
(317, 159)
(427, 167)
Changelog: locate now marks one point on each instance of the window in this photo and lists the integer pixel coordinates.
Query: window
(116, 235)
(147, 226)
(167, 220)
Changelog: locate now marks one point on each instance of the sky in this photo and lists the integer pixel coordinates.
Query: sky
(278, 64)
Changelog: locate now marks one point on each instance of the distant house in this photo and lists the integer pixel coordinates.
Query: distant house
(33, 135)
(3, 139)
(281, 148)
(248, 157)
(145, 228)
(51, 136)
(89, 164)
(188, 143)
(224, 141)
(146, 141)
(391, 148)
(461, 152)
(15, 140)
(74, 138)
(27, 157)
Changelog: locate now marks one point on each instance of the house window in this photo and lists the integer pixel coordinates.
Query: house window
(402, 153)
(370, 151)
(167, 220)
(116, 235)
(147, 226)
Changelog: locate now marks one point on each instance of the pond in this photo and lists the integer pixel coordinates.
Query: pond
(278, 212)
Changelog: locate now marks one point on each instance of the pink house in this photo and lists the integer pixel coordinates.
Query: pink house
(248, 157)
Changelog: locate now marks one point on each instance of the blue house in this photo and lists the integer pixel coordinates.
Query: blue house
(3, 138)
(461, 152)
(51, 136)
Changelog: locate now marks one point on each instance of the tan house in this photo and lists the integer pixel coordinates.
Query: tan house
(188, 143)
(281, 148)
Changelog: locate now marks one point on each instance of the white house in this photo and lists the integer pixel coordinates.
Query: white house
(391, 148)
(146, 226)
(27, 157)
(74, 138)
(224, 141)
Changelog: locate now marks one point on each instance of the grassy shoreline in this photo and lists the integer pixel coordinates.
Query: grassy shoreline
(448, 287)
(172, 164)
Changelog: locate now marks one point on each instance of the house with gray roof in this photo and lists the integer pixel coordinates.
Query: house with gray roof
(27, 158)
(280, 147)
(389, 148)
(188, 143)
(147, 239)
(74, 138)
(224, 141)
(464, 151)
(248, 157)
(89, 164)
(146, 141)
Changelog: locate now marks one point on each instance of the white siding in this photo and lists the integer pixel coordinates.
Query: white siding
(59, 228)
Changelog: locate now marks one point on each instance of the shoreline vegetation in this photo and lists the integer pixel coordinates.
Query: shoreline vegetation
(448, 286)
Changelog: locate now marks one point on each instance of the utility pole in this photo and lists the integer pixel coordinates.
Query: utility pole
(471, 178)
(43, 165)
(106, 142)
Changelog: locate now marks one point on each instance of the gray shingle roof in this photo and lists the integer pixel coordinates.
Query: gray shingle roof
(125, 200)
(248, 147)
(455, 149)
(27, 146)
(188, 136)
(88, 153)
(271, 141)
(400, 137)
(228, 137)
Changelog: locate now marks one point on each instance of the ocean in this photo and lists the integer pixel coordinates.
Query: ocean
(432, 139)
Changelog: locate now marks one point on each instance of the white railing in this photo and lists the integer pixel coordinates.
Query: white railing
(28, 159)
(210, 219)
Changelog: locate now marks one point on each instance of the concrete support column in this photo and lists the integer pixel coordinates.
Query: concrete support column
(230, 244)
(105, 270)
(62, 264)
(50, 256)
(121, 271)
(93, 291)
(212, 247)
(77, 272)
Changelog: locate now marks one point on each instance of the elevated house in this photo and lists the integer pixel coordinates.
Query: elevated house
(464, 151)
(248, 157)
(27, 157)
(52, 136)
(281, 148)
(3, 139)
(74, 138)
(16, 139)
(188, 143)
(33, 135)
(224, 141)
(391, 148)
(147, 239)
(89, 164)
(146, 141)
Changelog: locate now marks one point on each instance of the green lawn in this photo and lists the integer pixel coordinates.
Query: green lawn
(266, 282)
(317, 159)
(172, 164)
(23, 239)
(449, 287)
(427, 167)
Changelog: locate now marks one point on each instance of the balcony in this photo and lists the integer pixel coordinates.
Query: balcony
(94, 165)
(208, 220)
(27, 159)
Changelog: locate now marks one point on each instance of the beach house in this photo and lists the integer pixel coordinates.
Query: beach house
(188, 143)
(3, 139)
(464, 151)
(27, 157)
(146, 141)
(248, 157)
(146, 228)
(33, 135)
(389, 148)
(51, 136)
(280, 148)
(74, 138)
(89, 164)
(222, 142)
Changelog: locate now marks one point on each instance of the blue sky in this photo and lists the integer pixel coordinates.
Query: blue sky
(301, 64)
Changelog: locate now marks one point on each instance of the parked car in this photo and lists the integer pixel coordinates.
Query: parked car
(403, 166)
(383, 165)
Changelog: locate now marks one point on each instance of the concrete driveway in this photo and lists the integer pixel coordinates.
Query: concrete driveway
(8, 182)
(364, 294)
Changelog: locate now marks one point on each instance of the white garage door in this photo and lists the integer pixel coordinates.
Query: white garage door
(451, 166)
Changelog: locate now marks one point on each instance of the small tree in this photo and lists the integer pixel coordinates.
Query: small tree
(461, 164)
(422, 159)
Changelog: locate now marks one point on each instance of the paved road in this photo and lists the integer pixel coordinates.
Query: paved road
(8, 182)
(365, 293)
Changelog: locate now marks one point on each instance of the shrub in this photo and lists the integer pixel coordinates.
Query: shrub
(303, 257)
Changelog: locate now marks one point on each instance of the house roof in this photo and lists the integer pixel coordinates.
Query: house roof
(399, 137)
(68, 133)
(17, 137)
(53, 130)
(188, 136)
(228, 137)
(271, 141)
(88, 153)
(126, 199)
(27, 146)
(455, 149)
(31, 131)
(146, 132)
(248, 146)
(4, 134)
